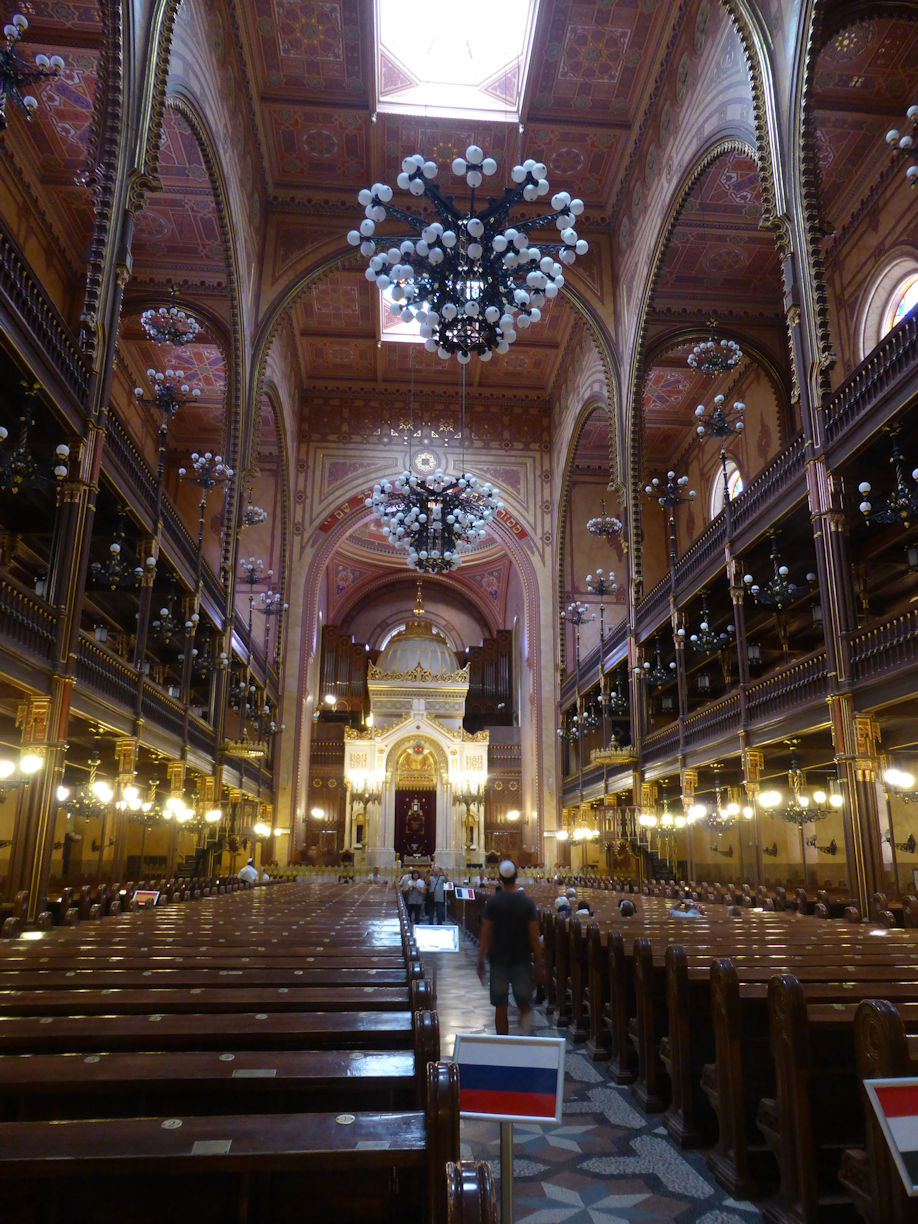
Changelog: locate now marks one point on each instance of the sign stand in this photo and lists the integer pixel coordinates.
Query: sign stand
(506, 1080)
(506, 1172)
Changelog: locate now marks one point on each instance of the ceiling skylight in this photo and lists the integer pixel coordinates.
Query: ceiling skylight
(474, 66)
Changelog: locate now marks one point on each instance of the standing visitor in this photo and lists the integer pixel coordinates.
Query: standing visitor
(437, 894)
(510, 942)
(414, 897)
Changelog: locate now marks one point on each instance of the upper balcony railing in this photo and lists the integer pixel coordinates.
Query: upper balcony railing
(880, 649)
(27, 623)
(43, 321)
(883, 375)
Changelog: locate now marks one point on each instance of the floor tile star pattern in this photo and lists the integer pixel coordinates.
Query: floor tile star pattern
(608, 1163)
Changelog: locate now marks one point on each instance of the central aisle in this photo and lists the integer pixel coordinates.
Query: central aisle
(608, 1163)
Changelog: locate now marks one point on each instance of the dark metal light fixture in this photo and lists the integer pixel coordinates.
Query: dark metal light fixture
(901, 505)
(471, 278)
(779, 592)
(434, 519)
(901, 143)
(15, 74)
(169, 324)
(607, 526)
(19, 467)
(721, 422)
(713, 356)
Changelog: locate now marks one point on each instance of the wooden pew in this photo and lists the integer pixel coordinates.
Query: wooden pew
(816, 1111)
(237, 1167)
(884, 1050)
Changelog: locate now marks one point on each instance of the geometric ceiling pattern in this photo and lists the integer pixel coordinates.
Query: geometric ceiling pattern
(864, 80)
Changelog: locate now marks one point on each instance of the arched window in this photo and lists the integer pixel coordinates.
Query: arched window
(734, 487)
(902, 302)
(891, 295)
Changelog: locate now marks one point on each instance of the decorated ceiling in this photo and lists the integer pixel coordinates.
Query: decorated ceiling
(283, 129)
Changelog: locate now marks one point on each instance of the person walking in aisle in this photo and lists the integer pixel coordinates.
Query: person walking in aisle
(510, 942)
(414, 897)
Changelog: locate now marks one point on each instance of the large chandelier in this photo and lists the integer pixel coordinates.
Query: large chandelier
(15, 74)
(471, 279)
(434, 519)
(801, 807)
(606, 526)
(713, 356)
(170, 324)
(779, 591)
(19, 467)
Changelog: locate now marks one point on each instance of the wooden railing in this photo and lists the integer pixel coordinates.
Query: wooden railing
(882, 648)
(761, 494)
(201, 736)
(104, 673)
(49, 329)
(125, 456)
(167, 713)
(27, 623)
(796, 685)
(894, 359)
(654, 607)
(663, 742)
(712, 722)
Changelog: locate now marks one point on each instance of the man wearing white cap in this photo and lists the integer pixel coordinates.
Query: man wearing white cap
(248, 873)
(510, 942)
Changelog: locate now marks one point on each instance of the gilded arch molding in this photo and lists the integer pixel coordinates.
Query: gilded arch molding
(723, 146)
(825, 22)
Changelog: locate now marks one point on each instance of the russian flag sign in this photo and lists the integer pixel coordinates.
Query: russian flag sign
(895, 1102)
(510, 1079)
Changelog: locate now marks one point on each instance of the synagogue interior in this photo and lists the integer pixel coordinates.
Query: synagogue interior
(671, 633)
(428, 440)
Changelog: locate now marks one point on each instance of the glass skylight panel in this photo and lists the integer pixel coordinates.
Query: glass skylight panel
(474, 65)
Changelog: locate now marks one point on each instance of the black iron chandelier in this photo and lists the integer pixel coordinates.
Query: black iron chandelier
(15, 74)
(713, 356)
(434, 519)
(19, 467)
(779, 592)
(657, 673)
(471, 279)
(901, 504)
(705, 639)
(169, 324)
(721, 422)
(116, 572)
(900, 143)
(607, 526)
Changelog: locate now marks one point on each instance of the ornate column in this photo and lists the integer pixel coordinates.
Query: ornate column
(126, 756)
(856, 737)
(39, 720)
(753, 764)
(689, 782)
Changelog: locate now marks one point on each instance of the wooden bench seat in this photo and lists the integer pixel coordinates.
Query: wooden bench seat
(816, 1111)
(884, 1050)
(212, 999)
(261, 1169)
(51, 1087)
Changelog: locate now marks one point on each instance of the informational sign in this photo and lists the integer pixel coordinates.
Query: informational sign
(510, 1079)
(143, 895)
(449, 886)
(464, 894)
(895, 1102)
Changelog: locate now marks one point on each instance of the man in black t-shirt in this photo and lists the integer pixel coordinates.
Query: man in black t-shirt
(510, 941)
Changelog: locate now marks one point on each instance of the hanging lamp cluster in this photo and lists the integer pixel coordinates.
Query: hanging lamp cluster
(434, 519)
(472, 279)
(715, 356)
(169, 324)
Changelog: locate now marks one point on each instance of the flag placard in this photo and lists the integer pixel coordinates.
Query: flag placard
(464, 894)
(143, 895)
(510, 1079)
(895, 1102)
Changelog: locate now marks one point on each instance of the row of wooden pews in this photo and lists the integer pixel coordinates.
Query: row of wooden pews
(749, 1030)
(263, 1053)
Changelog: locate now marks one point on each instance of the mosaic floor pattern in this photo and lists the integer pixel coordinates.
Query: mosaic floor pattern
(608, 1163)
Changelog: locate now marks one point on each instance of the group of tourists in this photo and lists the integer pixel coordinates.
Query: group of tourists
(425, 893)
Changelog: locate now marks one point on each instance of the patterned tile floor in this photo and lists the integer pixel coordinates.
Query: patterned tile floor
(608, 1163)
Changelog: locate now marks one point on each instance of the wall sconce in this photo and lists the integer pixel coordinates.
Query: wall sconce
(728, 853)
(317, 813)
(703, 682)
(513, 814)
(771, 851)
(831, 848)
(100, 633)
(753, 652)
